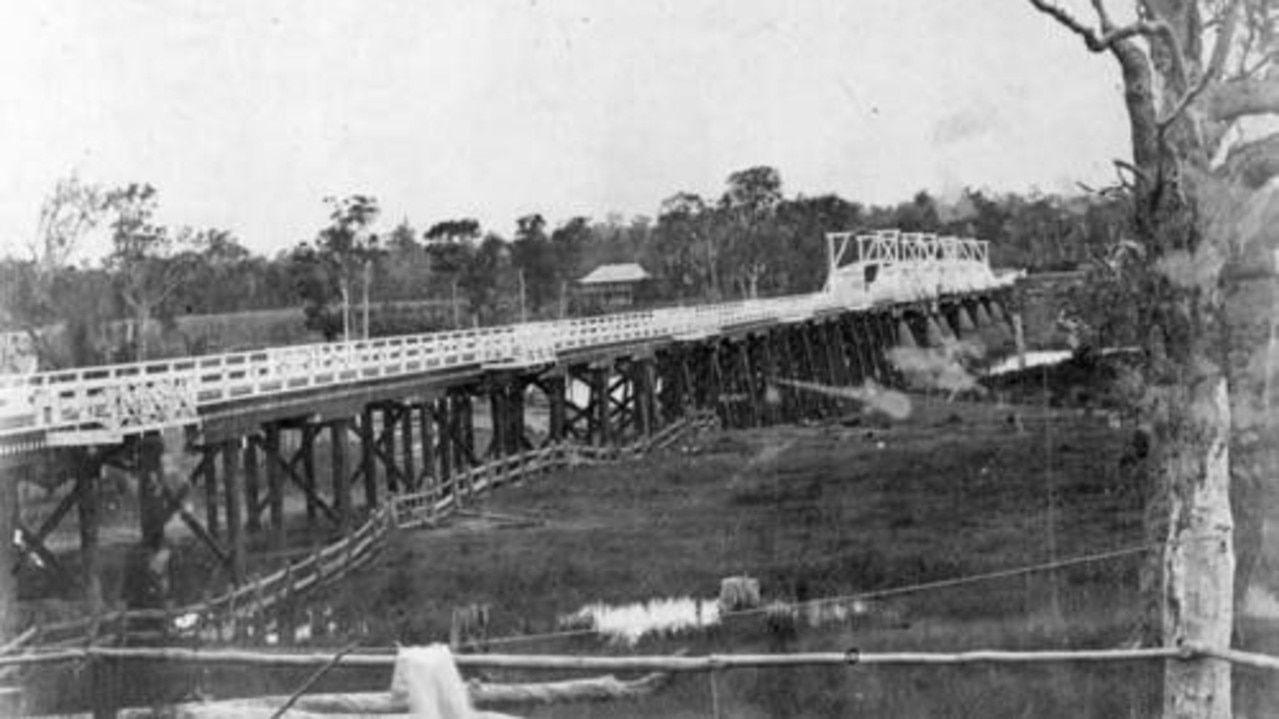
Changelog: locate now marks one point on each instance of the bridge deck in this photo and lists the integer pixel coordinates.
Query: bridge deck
(103, 404)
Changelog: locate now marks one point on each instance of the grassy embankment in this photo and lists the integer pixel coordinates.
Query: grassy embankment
(813, 512)
(956, 490)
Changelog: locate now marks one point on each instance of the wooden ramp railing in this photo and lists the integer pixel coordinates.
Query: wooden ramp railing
(246, 612)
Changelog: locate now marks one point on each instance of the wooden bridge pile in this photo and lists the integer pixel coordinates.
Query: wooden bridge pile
(266, 609)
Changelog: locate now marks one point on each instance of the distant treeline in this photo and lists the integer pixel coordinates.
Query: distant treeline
(752, 240)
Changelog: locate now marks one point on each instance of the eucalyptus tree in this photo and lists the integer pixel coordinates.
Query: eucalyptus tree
(149, 261)
(347, 249)
(1196, 75)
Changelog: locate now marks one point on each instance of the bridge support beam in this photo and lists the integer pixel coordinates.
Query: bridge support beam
(252, 487)
(905, 335)
(936, 337)
(444, 430)
(853, 348)
(981, 317)
(274, 486)
(206, 473)
(506, 402)
(836, 357)
(646, 389)
(368, 458)
(406, 448)
(825, 365)
(601, 399)
(152, 511)
(385, 445)
(519, 427)
(789, 397)
(555, 387)
(88, 484)
(886, 332)
(802, 365)
(232, 457)
(9, 557)
(996, 311)
(338, 432)
(466, 430)
(425, 410)
(755, 380)
(312, 434)
(964, 323)
(456, 423)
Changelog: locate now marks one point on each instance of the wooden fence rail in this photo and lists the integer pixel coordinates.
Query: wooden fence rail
(245, 611)
(429, 506)
(385, 657)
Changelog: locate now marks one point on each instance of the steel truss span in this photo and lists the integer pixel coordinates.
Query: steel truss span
(103, 404)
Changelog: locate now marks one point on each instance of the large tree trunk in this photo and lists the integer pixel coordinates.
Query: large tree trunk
(1252, 454)
(1192, 461)
(1199, 181)
(1189, 409)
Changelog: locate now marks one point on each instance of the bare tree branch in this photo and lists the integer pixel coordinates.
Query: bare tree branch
(1110, 36)
(1138, 88)
(1211, 131)
(1160, 20)
(1103, 17)
(71, 211)
(1122, 166)
(1232, 100)
(1229, 20)
(1191, 95)
(1247, 71)
(1254, 163)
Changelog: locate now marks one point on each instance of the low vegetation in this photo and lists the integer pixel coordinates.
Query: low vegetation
(841, 509)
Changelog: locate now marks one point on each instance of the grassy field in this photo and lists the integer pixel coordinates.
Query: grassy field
(815, 512)
(835, 509)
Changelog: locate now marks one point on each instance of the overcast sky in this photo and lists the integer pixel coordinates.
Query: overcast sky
(246, 114)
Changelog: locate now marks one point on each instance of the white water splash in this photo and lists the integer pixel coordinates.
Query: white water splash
(1033, 359)
(944, 367)
(627, 624)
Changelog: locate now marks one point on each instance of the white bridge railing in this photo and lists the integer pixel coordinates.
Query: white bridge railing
(99, 404)
(888, 247)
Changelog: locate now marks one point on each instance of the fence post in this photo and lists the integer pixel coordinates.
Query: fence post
(285, 619)
(235, 628)
(715, 704)
(347, 550)
(259, 612)
(101, 687)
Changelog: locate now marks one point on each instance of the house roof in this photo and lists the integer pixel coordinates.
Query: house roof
(625, 272)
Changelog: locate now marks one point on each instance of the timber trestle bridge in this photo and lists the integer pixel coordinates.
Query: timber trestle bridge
(372, 434)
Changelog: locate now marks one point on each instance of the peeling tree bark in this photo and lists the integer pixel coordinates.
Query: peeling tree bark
(1198, 561)
(1188, 395)
(1252, 456)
